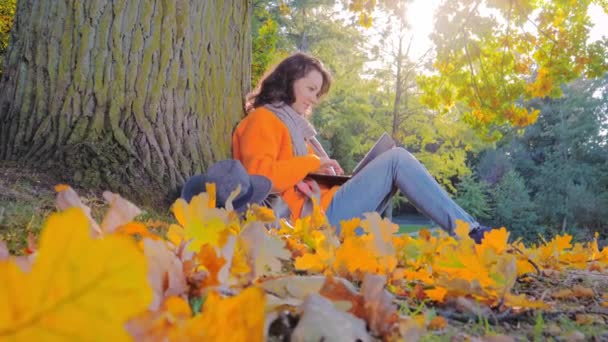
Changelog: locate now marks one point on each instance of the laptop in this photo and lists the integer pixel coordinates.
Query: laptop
(383, 144)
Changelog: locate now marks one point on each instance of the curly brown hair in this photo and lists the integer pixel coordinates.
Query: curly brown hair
(277, 84)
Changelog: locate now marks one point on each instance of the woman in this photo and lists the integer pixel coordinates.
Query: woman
(276, 140)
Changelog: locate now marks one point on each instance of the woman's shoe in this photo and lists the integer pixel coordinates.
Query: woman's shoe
(478, 233)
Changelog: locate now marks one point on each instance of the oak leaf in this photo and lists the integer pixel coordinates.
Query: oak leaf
(381, 313)
(68, 198)
(165, 271)
(238, 318)
(264, 250)
(75, 286)
(321, 321)
(121, 212)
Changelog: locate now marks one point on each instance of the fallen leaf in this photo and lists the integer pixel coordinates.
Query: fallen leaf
(410, 329)
(165, 271)
(438, 323)
(522, 302)
(158, 325)
(472, 307)
(337, 291)
(121, 212)
(321, 321)
(380, 311)
(238, 318)
(574, 336)
(300, 286)
(437, 294)
(577, 291)
(587, 319)
(68, 198)
(75, 286)
(582, 292)
(496, 338)
(264, 250)
(212, 262)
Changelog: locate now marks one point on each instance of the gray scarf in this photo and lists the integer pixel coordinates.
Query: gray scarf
(300, 130)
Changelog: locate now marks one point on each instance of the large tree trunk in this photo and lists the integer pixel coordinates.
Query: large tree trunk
(134, 95)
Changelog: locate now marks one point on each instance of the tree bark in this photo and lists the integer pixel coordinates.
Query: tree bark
(132, 95)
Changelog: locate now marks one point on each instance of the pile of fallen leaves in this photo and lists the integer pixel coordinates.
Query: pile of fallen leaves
(218, 276)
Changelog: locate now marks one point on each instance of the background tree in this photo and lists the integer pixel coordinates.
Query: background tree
(473, 196)
(562, 160)
(491, 54)
(514, 208)
(265, 36)
(135, 94)
(7, 14)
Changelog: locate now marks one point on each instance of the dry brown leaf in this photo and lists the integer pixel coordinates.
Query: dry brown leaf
(438, 323)
(67, 198)
(582, 292)
(263, 249)
(563, 293)
(574, 336)
(121, 212)
(321, 321)
(165, 272)
(299, 287)
(577, 291)
(586, 319)
(471, 307)
(410, 329)
(337, 291)
(380, 311)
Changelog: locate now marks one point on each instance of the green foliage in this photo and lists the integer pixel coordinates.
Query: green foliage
(560, 163)
(7, 14)
(514, 207)
(490, 60)
(473, 197)
(265, 37)
(492, 165)
(539, 326)
(568, 148)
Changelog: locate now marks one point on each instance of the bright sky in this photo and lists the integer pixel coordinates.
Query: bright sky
(420, 16)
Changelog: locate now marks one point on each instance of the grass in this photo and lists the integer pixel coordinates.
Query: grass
(27, 198)
(411, 228)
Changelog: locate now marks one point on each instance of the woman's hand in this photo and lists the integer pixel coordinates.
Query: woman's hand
(330, 167)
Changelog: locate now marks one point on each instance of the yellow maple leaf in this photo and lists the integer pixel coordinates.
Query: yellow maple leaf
(238, 318)
(496, 239)
(324, 245)
(78, 288)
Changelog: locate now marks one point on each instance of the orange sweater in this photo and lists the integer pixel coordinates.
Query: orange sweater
(263, 145)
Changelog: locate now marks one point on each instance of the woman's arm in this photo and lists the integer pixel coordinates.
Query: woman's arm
(259, 143)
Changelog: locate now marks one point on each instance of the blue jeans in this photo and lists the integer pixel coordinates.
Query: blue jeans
(372, 187)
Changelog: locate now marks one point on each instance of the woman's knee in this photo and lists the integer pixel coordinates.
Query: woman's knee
(400, 157)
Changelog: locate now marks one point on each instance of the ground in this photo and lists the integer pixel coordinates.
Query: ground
(27, 197)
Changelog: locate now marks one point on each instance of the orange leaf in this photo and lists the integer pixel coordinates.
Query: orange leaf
(212, 262)
(235, 319)
(337, 291)
(437, 294)
(61, 187)
(438, 323)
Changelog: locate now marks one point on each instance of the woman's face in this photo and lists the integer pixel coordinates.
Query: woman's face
(306, 91)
